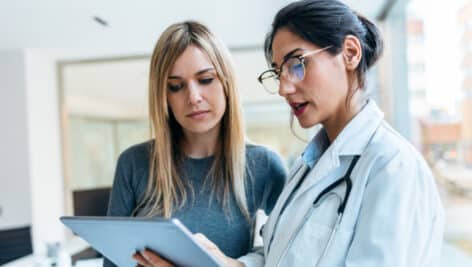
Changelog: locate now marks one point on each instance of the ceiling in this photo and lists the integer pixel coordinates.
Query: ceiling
(107, 85)
(134, 26)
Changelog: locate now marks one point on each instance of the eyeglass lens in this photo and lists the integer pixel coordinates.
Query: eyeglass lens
(296, 70)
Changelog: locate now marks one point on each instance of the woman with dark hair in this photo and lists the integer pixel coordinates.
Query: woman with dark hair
(360, 195)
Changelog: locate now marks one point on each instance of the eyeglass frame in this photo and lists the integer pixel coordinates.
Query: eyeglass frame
(278, 71)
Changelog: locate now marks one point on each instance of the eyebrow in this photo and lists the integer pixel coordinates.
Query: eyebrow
(289, 54)
(196, 74)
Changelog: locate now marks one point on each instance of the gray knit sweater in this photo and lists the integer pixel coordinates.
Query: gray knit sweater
(230, 231)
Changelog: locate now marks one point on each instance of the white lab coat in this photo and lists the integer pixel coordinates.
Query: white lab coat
(394, 216)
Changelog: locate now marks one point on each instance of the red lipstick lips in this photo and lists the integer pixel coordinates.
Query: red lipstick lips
(298, 108)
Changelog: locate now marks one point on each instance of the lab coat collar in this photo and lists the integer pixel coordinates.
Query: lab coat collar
(356, 135)
(315, 148)
(351, 141)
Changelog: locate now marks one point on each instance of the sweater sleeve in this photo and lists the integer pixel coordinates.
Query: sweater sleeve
(122, 197)
(275, 181)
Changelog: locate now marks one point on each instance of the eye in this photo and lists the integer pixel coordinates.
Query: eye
(297, 70)
(175, 87)
(206, 81)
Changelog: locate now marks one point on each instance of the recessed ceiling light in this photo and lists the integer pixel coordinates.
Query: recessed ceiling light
(100, 21)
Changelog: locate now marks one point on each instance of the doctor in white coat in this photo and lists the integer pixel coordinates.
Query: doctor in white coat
(360, 195)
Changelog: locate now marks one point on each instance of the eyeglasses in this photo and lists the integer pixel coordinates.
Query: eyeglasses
(292, 69)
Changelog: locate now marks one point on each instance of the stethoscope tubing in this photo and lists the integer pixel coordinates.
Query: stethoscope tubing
(346, 178)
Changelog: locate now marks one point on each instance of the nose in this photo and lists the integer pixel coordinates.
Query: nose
(286, 87)
(194, 94)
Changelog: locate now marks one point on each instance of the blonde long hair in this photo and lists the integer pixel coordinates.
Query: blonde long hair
(166, 187)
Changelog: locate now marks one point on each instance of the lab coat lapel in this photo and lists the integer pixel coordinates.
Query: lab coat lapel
(284, 232)
(289, 223)
(328, 162)
(294, 177)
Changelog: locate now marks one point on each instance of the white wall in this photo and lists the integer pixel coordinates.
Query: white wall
(45, 149)
(15, 189)
(31, 183)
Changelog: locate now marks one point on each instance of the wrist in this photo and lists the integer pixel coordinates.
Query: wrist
(230, 262)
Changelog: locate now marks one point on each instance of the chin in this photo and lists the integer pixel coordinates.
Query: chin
(306, 124)
(201, 128)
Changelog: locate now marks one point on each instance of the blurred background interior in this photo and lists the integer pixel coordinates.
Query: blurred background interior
(73, 95)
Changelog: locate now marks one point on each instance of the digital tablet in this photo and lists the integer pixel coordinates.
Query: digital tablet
(118, 238)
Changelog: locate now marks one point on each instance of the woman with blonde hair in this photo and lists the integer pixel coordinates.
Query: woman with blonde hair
(198, 161)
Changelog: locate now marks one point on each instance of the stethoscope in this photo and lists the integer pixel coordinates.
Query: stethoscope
(340, 211)
(342, 203)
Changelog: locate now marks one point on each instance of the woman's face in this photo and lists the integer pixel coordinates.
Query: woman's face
(195, 93)
(320, 96)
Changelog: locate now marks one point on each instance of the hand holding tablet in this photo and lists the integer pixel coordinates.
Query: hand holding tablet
(118, 238)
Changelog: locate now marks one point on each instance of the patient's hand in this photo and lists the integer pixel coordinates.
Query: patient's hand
(216, 252)
(148, 258)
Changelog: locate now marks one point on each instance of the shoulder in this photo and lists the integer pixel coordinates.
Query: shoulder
(132, 168)
(396, 170)
(395, 162)
(263, 157)
(264, 164)
(136, 155)
(138, 150)
(268, 173)
(391, 147)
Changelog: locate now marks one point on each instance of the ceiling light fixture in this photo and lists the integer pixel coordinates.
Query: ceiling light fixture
(100, 21)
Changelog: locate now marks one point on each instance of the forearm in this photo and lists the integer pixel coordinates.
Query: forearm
(234, 263)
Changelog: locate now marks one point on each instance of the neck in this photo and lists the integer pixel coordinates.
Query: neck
(343, 116)
(198, 145)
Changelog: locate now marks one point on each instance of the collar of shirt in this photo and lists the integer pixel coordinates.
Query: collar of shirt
(315, 148)
(351, 141)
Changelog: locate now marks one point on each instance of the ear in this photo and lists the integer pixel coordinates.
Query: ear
(352, 52)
